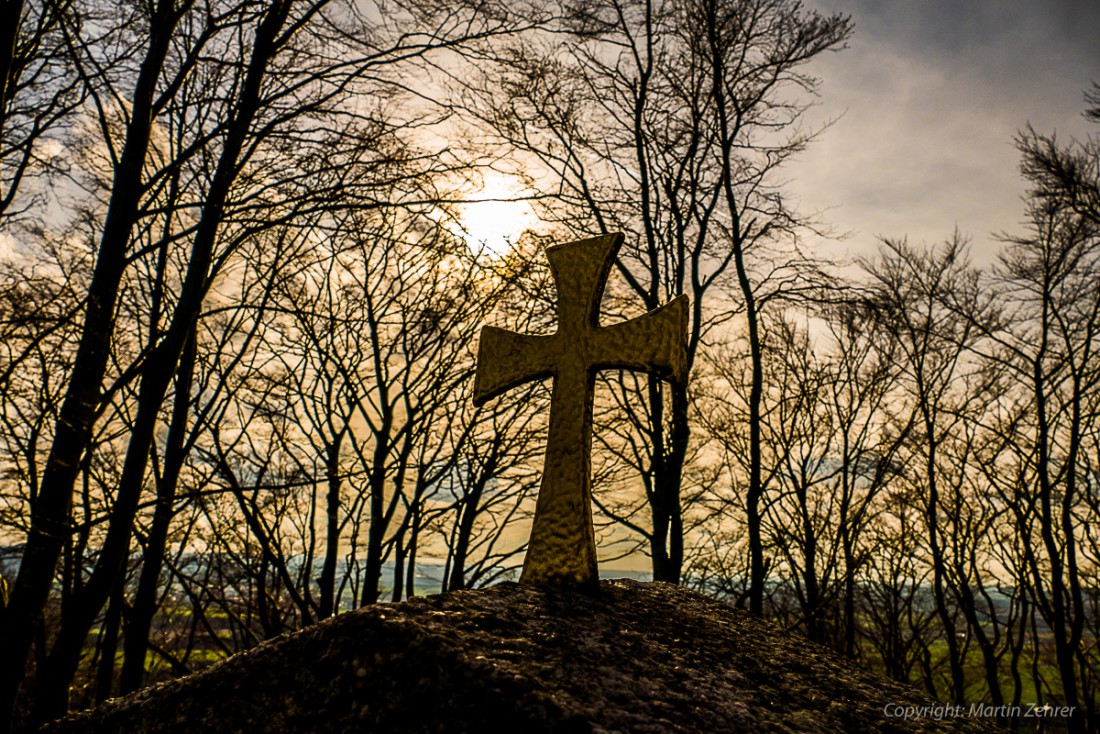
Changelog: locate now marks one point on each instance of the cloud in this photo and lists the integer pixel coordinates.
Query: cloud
(931, 95)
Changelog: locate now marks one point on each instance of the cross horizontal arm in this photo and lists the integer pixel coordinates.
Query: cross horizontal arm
(506, 359)
(655, 342)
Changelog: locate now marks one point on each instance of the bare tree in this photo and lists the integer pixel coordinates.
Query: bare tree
(490, 486)
(39, 92)
(196, 157)
(911, 292)
(1047, 281)
(49, 519)
(860, 394)
(666, 119)
(899, 617)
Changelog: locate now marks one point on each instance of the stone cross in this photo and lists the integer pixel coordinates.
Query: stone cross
(562, 551)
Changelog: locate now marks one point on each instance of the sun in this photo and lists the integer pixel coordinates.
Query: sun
(493, 219)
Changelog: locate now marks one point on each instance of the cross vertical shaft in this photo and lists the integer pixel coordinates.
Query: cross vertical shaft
(563, 543)
(562, 550)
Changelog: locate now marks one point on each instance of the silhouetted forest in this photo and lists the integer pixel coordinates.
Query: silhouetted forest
(240, 312)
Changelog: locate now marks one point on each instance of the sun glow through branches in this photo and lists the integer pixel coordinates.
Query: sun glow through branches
(493, 220)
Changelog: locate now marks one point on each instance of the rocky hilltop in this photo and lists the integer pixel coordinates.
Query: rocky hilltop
(651, 658)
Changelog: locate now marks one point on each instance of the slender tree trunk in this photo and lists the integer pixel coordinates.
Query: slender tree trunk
(157, 376)
(414, 540)
(11, 13)
(755, 490)
(986, 646)
(844, 523)
(1016, 645)
(1075, 599)
(728, 126)
(327, 582)
(467, 515)
(72, 435)
(664, 497)
(376, 532)
(140, 618)
(809, 577)
(399, 551)
(674, 474)
(939, 570)
(849, 594)
(108, 648)
(1056, 609)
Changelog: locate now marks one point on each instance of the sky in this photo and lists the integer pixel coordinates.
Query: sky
(928, 97)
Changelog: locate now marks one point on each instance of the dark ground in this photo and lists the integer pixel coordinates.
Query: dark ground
(634, 658)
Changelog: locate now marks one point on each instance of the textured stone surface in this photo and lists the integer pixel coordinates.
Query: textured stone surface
(632, 658)
(562, 550)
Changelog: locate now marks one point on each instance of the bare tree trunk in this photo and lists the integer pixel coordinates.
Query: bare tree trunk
(814, 623)
(728, 126)
(105, 671)
(11, 15)
(376, 527)
(140, 617)
(1056, 601)
(986, 646)
(414, 540)
(326, 584)
(468, 510)
(939, 568)
(669, 452)
(50, 508)
(157, 376)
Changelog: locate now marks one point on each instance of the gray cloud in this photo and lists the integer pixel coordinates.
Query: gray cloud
(931, 95)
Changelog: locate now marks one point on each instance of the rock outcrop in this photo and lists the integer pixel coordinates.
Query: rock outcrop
(635, 657)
